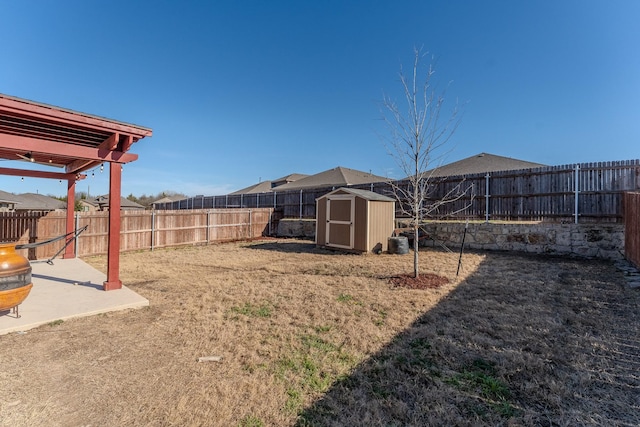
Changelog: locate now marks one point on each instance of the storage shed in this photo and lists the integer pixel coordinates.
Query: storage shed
(354, 220)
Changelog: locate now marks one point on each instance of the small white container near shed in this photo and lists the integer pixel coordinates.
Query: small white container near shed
(354, 220)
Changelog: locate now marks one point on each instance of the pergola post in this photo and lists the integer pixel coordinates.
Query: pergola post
(69, 252)
(113, 255)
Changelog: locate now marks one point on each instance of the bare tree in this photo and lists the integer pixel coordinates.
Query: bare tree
(416, 139)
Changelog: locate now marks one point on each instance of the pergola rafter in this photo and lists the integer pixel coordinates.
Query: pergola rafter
(62, 138)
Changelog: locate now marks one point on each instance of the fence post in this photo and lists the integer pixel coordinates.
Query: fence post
(208, 226)
(300, 204)
(577, 183)
(153, 228)
(33, 234)
(486, 197)
(76, 238)
(250, 230)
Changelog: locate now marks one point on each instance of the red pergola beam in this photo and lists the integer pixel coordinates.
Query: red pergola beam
(26, 144)
(42, 174)
(80, 166)
(111, 143)
(59, 115)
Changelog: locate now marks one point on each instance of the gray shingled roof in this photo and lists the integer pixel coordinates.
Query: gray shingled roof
(336, 177)
(261, 187)
(483, 163)
(266, 186)
(8, 197)
(289, 178)
(168, 199)
(39, 202)
(124, 202)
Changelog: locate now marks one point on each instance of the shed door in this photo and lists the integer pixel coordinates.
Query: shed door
(340, 214)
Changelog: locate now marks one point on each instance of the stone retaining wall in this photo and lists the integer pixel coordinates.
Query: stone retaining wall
(305, 228)
(584, 240)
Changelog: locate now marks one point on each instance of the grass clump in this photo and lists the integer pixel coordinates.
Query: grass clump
(251, 421)
(251, 310)
(310, 369)
(480, 377)
(346, 298)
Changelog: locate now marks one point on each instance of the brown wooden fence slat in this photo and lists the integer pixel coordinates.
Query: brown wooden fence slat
(632, 227)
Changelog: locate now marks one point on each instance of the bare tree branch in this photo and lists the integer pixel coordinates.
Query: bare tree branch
(416, 139)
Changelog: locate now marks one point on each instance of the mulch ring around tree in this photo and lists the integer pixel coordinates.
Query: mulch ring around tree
(423, 281)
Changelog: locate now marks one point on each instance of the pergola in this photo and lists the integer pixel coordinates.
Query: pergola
(76, 142)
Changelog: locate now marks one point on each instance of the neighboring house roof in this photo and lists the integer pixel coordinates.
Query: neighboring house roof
(260, 187)
(168, 199)
(39, 202)
(266, 186)
(91, 202)
(287, 179)
(365, 194)
(482, 163)
(8, 197)
(336, 177)
(124, 202)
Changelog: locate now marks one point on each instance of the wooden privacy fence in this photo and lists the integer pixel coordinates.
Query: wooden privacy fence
(586, 192)
(13, 225)
(632, 227)
(148, 230)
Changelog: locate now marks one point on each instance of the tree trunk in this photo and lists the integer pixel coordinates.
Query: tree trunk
(416, 232)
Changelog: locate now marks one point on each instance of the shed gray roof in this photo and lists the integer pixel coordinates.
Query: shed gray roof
(482, 163)
(365, 194)
(336, 177)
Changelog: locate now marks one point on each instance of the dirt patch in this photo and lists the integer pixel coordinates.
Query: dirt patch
(423, 281)
(314, 337)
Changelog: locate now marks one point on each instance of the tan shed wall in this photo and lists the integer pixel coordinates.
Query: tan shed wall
(321, 222)
(381, 224)
(360, 225)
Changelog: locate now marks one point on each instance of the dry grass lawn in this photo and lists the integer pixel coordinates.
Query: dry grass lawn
(311, 337)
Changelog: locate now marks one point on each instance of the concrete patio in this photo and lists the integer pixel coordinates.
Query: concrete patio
(67, 289)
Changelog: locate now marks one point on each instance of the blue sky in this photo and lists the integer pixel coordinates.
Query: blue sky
(238, 91)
